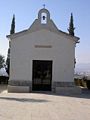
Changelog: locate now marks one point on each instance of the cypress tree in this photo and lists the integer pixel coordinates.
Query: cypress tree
(71, 26)
(71, 31)
(8, 61)
(12, 31)
(2, 61)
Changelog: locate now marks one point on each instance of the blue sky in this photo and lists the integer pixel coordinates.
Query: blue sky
(26, 12)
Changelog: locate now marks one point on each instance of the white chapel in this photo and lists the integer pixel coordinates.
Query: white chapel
(42, 58)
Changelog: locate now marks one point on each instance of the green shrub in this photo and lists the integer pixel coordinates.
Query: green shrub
(4, 79)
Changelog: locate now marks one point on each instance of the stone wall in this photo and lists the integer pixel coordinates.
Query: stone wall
(65, 88)
(57, 87)
(19, 86)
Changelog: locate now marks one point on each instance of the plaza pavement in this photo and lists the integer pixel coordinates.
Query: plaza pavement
(44, 106)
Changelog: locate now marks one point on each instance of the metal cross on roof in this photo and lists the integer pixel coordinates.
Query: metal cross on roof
(44, 5)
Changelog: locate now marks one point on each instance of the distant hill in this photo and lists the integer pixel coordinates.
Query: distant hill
(83, 68)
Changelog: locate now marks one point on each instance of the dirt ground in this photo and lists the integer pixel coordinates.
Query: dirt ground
(3, 88)
(43, 106)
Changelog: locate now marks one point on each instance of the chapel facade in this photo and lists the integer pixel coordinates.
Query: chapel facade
(42, 58)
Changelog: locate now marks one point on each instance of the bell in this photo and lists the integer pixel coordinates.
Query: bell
(43, 17)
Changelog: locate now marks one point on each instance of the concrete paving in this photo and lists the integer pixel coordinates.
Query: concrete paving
(44, 106)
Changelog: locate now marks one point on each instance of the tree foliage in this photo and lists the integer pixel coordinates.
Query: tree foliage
(8, 61)
(2, 61)
(12, 31)
(71, 26)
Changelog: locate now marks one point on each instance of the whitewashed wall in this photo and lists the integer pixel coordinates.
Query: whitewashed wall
(23, 51)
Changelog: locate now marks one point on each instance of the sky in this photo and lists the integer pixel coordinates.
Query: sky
(26, 12)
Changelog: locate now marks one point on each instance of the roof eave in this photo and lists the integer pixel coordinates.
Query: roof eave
(76, 39)
(16, 34)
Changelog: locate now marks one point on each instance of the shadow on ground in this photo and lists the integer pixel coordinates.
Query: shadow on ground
(84, 94)
(24, 99)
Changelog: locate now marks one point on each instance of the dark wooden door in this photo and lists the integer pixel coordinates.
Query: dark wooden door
(42, 75)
